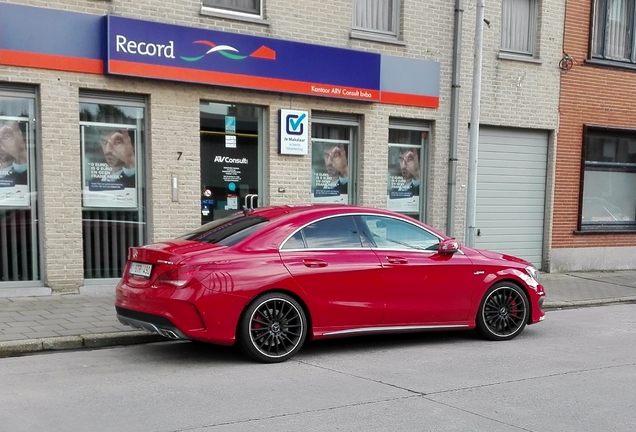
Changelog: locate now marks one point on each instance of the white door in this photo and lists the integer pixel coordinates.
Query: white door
(511, 184)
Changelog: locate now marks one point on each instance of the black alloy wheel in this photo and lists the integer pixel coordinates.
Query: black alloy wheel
(503, 312)
(273, 328)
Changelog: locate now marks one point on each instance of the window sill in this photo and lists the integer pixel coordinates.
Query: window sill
(605, 231)
(518, 57)
(355, 34)
(611, 64)
(233, 16)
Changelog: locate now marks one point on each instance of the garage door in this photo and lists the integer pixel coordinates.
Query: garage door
(511, 183)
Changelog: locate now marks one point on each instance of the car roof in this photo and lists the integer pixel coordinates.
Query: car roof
(273, 212)
(282, 212)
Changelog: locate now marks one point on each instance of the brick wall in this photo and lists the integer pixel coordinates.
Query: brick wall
(589, 95)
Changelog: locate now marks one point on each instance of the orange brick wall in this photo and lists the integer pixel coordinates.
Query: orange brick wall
(589, 95)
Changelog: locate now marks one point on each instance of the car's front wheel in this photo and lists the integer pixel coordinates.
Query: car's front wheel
(273, 328)
(503, 312)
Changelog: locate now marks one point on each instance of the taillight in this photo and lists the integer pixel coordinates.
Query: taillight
(181, 276)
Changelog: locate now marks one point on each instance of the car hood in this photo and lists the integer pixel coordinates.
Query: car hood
(494, 256)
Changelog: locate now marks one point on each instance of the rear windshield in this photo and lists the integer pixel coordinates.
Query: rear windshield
(227, 231)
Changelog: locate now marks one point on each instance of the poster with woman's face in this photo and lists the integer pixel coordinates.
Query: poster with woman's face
(404, 179)
(109, 166)
(329, 172)
(14, 163)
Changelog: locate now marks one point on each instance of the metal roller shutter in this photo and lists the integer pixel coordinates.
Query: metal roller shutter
(511, 185)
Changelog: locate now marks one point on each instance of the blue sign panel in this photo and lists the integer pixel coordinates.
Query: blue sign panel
(167, 51)
(88, 43)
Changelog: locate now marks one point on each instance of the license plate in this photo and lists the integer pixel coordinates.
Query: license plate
(140, 270)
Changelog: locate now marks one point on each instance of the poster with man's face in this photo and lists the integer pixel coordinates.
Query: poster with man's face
(329, 172)
(404, 179)
(14, 163)
(109, 165)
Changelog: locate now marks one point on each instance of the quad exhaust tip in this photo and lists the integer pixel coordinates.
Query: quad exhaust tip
(149, 327)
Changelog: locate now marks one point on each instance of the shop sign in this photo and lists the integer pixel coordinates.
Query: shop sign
(131, 47)
(156, 50)
(293, 132)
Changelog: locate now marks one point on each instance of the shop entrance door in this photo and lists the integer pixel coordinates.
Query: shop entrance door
(231, 168)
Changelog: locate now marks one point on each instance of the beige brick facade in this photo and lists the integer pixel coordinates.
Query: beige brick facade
(515, 93)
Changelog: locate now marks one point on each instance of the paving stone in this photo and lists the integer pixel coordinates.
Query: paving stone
(45, 328)
(15, 330)
(40, 335)
(77, 326)
(53, 321)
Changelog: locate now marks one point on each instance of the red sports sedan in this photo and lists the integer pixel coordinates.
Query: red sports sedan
(269, 278)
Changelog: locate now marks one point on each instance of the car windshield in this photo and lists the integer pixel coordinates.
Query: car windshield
(227, 231)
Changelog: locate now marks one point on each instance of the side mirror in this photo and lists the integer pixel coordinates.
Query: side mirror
(448, 247)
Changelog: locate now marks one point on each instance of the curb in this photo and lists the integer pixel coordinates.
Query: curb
(559, 304)
(100, 340)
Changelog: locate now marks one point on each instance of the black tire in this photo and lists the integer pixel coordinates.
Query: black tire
(503, 312)
(272, 328)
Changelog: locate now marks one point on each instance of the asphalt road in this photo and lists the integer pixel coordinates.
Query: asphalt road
(576, 371)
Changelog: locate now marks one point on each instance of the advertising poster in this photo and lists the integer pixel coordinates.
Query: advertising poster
(330, 172)
(14, 164)
(404, 178)
(109, 160)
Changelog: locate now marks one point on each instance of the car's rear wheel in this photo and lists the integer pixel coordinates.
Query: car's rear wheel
(273, 328)
(503, 312)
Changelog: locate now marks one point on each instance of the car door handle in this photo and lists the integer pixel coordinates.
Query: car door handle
(397, 260)
(313, 263)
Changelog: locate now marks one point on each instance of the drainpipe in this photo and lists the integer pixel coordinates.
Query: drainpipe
(471, 193)
(455, 86)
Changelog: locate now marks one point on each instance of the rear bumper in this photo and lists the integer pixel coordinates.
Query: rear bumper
(150, 323)
(179, 313)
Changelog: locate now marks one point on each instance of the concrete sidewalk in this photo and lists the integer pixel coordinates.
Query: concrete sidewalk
(87, 320)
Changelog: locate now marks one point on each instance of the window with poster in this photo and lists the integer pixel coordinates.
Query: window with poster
(19, 251)
(333, 159)
(15, 133)
(109, 155)
(112, 136)
(406, 178)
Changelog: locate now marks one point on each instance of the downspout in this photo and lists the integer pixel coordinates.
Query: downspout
(473, 146)
(455, 86)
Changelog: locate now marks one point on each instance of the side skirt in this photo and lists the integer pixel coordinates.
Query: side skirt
(393, 329)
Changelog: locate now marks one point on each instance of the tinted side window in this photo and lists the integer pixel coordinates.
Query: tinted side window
(295, 242)
(333, 233)
(392, 233)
